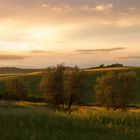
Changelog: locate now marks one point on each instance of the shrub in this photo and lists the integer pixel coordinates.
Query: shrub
(34, 98)
(16, 89)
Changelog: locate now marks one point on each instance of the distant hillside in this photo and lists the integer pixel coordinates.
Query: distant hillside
(5, 70)
(16, 70)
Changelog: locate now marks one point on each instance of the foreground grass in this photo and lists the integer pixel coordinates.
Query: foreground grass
(24, 121)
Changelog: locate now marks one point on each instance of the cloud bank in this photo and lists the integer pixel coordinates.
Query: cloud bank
(11, 57)
(85, 51)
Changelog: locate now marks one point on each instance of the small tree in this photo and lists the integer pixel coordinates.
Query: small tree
(115, 90)
(75, 86)
(16, 89)
(52, 85)
(127, 85)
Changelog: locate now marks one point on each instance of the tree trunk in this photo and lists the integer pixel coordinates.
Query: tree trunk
(70, 103)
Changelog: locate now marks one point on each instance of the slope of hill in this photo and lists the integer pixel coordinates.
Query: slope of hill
(16, 70)
(34, 78)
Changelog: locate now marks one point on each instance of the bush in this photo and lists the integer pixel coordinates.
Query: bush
(34, 98)
(16, 89)
(115, 90)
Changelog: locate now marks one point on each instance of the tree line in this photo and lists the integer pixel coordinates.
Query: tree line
(63, 88)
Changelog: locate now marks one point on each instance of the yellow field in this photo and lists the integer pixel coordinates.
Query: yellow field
(108, 69)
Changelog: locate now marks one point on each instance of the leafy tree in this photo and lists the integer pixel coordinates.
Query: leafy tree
(16, 89)
(115, 90)
(52, 85)
(127, 85)
(75, 86)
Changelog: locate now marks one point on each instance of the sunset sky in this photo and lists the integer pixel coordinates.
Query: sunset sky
(40, 33)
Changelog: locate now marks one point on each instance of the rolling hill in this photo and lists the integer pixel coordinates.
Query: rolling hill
(5, 70)
(34, 78)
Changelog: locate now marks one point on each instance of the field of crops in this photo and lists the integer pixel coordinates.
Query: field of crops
(28, 121)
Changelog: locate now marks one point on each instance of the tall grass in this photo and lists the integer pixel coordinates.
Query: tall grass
(40, 122)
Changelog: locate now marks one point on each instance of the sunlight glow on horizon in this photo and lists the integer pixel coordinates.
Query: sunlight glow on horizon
(48, 32)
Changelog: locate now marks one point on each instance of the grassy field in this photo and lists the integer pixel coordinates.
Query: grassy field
(33, 79)
(30, 121)
(38, 121)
